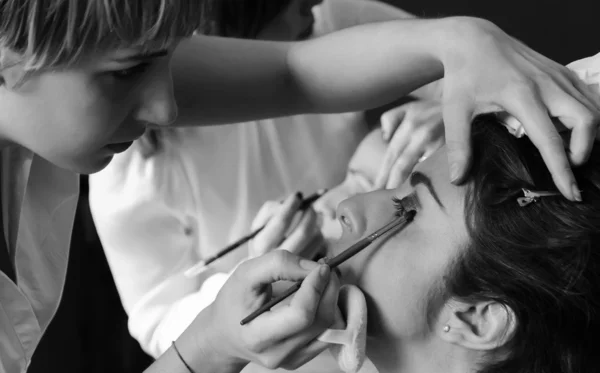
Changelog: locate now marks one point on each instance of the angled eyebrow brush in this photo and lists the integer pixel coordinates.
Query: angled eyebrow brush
(401, 222)
(198, 268)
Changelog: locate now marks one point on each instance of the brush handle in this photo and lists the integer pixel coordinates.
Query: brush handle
(272, 303)
(306, 203)
(334, 262)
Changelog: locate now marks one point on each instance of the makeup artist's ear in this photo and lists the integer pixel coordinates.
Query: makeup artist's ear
(11, 77)
(477, 326)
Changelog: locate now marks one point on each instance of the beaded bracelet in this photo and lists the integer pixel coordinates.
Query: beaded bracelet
(181, 358)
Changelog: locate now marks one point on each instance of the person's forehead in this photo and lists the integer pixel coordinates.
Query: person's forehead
(436, 168)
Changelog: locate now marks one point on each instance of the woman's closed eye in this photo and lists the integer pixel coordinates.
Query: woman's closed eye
(130, 72)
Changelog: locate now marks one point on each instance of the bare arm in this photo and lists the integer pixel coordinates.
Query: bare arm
(219, 80)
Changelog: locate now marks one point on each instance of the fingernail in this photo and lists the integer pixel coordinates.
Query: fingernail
(309, 265)
(324, 271)
(454, 172)
(322, 260)
(299, 196)
(384, 135)
(576, 192)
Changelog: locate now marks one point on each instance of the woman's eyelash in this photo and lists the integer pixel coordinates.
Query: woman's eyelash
(130, 72)
(405, 204)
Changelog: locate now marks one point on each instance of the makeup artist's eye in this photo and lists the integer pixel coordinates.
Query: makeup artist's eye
(408, 203)
(130, 72)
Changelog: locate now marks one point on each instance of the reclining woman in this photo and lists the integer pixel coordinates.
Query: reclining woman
(484, 279)
(496, 275)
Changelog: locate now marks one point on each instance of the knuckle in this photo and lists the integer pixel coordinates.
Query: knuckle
(590, 119)
(279, 258)
(269, 361)
(522, 85)
(250, 344)
(304, 317)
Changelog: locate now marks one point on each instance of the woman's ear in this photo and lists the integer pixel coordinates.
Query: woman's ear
(482, 326)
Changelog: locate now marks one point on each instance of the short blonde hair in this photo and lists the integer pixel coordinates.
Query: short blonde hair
(43, 34)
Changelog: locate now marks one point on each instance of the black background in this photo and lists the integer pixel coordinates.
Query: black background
(89, 333)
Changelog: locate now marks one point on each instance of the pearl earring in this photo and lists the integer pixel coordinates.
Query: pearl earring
(446, 328)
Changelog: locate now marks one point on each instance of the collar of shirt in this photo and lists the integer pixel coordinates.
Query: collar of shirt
(38, 207)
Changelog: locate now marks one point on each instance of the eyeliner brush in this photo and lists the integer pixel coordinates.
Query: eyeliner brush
(336, 261)
(198, 268)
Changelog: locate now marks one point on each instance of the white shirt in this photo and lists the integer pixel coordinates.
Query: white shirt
(157, 217)
(38, 209)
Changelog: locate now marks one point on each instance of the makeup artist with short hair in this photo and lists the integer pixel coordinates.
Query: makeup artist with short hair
(180, 195)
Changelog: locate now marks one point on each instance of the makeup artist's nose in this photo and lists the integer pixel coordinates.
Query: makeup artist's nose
(157, 105)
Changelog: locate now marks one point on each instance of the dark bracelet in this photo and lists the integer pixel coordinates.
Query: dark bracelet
(181, 358)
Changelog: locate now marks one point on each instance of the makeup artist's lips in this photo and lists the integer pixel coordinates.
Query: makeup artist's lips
(119, 147)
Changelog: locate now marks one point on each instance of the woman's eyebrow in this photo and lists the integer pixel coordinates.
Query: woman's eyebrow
(417, 178)
(143, 56)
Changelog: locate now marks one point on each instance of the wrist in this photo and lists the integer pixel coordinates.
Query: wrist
(202, 349)
(454, 34)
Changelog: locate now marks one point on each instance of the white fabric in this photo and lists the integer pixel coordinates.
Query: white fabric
(38, 207)
(157, 217)
(587, 69)
(349, 344)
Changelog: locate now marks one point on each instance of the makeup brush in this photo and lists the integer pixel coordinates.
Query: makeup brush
(200, 267)
(337, 260)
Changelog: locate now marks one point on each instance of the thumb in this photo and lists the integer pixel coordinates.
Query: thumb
(275, 266)
(457, 119)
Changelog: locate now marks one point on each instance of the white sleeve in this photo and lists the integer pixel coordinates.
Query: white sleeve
(145, 217)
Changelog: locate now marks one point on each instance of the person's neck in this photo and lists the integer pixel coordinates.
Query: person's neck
(434, 356)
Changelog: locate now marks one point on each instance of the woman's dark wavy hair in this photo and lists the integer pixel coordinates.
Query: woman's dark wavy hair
(228, 18)
(541, 260)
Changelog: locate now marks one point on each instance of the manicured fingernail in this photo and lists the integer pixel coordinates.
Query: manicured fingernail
(309, 265)
(454, 172)
(324, 270)
(576, 192)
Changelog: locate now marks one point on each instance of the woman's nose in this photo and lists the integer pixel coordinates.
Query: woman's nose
(158, 104)
(365, 213)
(350, 213)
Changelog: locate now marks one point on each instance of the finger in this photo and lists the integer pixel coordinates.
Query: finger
(278, 224)
(285, 322)
(575, 112)
(458, 115)
(405, 165)
(274, 266)
(588, 92)
(325, 205)
(303, 355)
(399, 142)
(583, 124)
(302, 234)
(390, 121)
(528, 108)
(264, 214)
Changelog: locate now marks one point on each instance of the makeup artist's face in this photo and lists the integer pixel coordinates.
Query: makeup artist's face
(295, 22)
(78, 118)
(400, 274)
